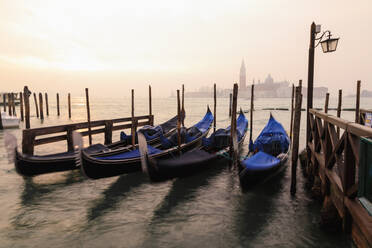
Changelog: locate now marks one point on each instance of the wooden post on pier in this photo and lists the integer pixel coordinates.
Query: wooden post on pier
(69, 105)
(13, 105)
(251, 114)
(230, 102)
(291, 125)
(26, 95)
(357, 105)
(41, 106)
(88, 114)
(58, 113)
(233, 148)
(183, 105)
(179, 121)
(150, 107)
(214, 107)
(9, 104)
(1, 122)
(133, 129)
(46, 104)
(326, 103)
(21, 105)
(339, 109)
(36, 107)
(4, 101)
(296, 138)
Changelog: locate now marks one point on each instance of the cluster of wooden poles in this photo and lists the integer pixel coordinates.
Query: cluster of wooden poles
(11, 105)
(296, 122)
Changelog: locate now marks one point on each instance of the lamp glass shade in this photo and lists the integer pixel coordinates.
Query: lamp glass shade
(329, 45)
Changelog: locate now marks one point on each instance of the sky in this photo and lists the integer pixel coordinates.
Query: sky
(114, 46)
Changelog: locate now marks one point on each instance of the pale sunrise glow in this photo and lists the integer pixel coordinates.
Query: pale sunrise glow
(171, 42)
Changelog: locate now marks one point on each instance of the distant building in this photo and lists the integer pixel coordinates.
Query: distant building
(242, 77)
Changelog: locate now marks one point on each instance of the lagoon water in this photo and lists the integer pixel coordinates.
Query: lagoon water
(204, 210)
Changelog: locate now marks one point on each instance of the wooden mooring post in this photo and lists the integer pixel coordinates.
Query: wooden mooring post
(214, 107)
(134, 125)
(36, 105)
(4, 101)
(88, 114)
(291, 124)
(41, 106)
(296, 138)
(13, 105)
(339, 104)
(251, 114)
(21, 106)
(183, 105)
(357, 105)
(150, 107)
(69, 105)
(9, 104)
(326, 103)
(26, 96)
(58, 113)
(178, 122)
(230, 102)
(46, 104)
(1, 122)
(233, 143)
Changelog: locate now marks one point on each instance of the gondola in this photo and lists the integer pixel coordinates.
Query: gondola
(267, 155)
(101, 166)
(32, 165)
(214, 147)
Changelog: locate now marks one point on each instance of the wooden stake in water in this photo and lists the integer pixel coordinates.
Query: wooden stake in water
(58, 113)
(326, 103)
(41, 106)
(179, 121)
(150, 107)
(9, 104)
(339, 109)
(88, 115)
(230, 102)
(357, 105)
(69, 105)
(133, 129)
(233, 149)
(21, 105)
(214, 107)
(183, 105)
(36, 107)
(4, 101)
(291, 125)
(296, 138)
(251, 114)
(26, 95)
(1, 122)
(46, 104)
(13, 105)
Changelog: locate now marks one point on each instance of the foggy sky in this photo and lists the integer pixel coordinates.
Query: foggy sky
(113, 46)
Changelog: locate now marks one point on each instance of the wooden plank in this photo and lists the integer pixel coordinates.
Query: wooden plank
(326, 103)
(26, 95)
(58, 112)
(357, 104)
(69, 105)
(21, 106)
(46, 104)
(291, 124)
(296, 139)
(339, 105)
(41, 106)
(88, 115)
(108, 132)
(359, 130)
(360, 217)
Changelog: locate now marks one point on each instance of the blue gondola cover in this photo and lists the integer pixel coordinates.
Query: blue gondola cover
(260, 161)
(273, 139)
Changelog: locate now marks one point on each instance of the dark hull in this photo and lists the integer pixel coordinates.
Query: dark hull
(96, 168)
(32, 166)
(185, 165)
(251, 178)
(37, 165)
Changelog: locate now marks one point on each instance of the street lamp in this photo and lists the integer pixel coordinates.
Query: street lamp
(328, 45)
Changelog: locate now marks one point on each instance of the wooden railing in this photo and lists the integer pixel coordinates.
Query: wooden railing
(64, 132)
(333, 151)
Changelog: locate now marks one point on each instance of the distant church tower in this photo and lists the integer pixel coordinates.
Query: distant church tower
(242, 79)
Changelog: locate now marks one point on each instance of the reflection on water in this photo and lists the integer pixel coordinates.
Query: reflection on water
(208, 209)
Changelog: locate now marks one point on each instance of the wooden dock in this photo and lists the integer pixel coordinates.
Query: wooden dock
(334, 162)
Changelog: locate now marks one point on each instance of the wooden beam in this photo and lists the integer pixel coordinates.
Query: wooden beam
(88, 115)
(357, 105)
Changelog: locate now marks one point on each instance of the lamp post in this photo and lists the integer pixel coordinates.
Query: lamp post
(328, 45)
